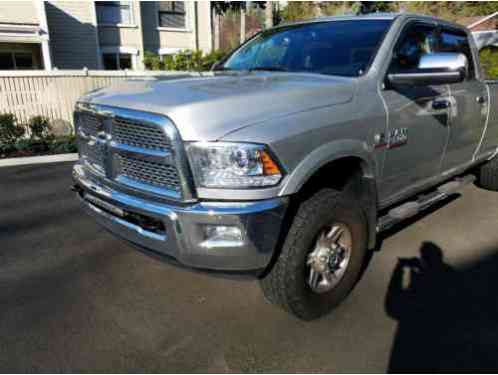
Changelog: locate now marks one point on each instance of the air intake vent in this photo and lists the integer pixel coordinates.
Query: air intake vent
(139, 135)
(148, 172)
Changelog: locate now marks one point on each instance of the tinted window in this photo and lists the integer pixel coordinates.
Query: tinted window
(417, 40)
(343, 48)
(456, 42)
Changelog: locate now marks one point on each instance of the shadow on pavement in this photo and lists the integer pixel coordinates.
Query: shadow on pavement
(447, 318)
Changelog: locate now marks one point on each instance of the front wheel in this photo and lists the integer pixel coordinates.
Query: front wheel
(322, 256)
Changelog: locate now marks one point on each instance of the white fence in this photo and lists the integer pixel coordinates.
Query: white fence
(53, 94)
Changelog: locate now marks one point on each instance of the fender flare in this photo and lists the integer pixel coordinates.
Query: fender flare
(325, 154)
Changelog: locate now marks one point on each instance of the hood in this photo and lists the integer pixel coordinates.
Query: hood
(210, 106)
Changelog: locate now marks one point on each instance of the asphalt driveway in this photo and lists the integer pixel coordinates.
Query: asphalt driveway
(73, 298)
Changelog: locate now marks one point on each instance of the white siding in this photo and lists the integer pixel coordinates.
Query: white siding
(21, 12)
(156, 38)
(204, 24)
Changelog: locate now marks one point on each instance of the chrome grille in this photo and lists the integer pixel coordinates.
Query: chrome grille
(137, 150)
(135, 134)
(149, 172)
(90, 124)
(94, 155)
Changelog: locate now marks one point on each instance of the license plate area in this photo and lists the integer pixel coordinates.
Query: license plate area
(106, 206)
(145, 222)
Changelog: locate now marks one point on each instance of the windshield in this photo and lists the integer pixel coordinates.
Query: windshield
(343, 48)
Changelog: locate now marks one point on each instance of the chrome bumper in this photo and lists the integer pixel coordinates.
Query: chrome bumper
(181, 235)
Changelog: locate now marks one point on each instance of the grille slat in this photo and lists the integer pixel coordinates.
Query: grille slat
(149, 172)
(90, 124)
(94, 155)
(139, 135)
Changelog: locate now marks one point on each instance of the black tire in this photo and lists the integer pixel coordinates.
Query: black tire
(487, 176)
(285, 284)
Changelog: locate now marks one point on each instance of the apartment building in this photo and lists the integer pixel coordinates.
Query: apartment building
(24, 37)
(99, 34)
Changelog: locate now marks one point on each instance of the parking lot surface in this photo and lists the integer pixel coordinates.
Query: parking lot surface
(74, 298)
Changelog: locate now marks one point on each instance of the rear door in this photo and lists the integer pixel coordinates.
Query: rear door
(418, 117)
(468, 104)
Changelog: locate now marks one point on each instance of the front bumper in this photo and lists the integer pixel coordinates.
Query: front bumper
(180, 233)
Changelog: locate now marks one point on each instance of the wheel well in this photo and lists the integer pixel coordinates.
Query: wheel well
(341, 174)
(348, 174)
(351, 176)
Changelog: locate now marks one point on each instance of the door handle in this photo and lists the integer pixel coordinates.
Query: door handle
(441, 104)
(481, 99)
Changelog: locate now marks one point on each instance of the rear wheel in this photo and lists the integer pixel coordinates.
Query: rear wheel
(487, 176)
(321, 258)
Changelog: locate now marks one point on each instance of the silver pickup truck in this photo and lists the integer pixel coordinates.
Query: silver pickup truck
(294, 152)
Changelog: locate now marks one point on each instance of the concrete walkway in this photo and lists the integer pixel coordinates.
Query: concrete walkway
(38, 160)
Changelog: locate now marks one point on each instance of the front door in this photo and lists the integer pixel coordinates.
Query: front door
(417, 118)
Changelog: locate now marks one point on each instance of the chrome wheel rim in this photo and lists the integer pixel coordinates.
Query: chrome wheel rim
(328, 260)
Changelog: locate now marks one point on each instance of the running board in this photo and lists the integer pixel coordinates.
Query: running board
(409, 209)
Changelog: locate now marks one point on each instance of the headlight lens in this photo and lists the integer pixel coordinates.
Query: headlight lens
(232, 165)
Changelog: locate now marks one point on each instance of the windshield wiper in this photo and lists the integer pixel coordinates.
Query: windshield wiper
(269, 69)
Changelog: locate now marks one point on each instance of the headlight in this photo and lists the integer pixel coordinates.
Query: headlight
(232, 165)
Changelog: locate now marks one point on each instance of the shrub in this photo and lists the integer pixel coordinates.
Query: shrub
(183, 61)
(489, 62)
(212, 58)
(10, 130)
(153, 61)
(23, 145)
(64, 145)
(13, 143)
(39, 127)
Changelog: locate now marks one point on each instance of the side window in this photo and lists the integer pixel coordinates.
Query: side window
(417, 39)
(453, 41)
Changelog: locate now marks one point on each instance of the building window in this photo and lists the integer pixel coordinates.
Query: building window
(172, 14)
(16, 60)
(6, 61)
(117, 61)
(114, 13)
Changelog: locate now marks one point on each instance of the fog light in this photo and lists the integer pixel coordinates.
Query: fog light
(222, 236)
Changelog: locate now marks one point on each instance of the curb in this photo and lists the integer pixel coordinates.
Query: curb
(38, 160)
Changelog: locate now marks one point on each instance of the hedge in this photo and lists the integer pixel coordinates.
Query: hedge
(184, 60)
(32, 138)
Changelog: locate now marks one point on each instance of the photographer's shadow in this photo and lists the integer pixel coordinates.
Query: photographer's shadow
(447, 319)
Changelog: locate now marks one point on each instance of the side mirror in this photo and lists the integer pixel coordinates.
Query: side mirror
(434, 69)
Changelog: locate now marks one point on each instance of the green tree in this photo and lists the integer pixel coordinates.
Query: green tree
(299, 10)
(451, 10)
(365, 7)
